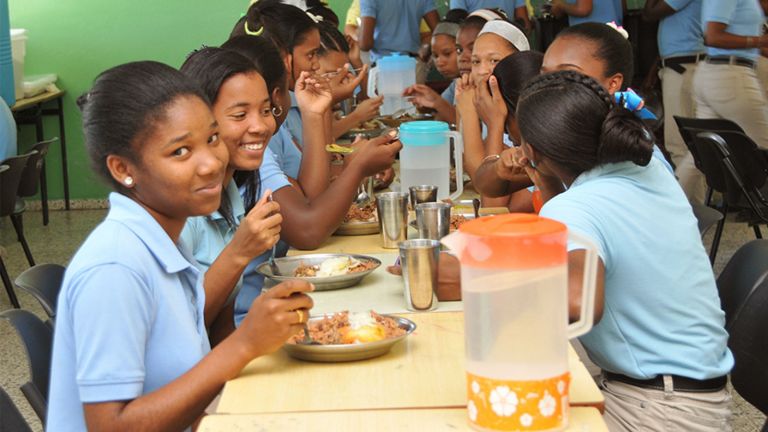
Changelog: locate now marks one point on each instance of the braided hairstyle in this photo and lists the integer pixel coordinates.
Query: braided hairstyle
(572, 120)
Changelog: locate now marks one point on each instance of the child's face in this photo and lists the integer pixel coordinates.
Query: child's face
(332, 61)
(444, 55)
(578, 54)
(304, 55)
(465, 41)
(488, 51)
(244, 113)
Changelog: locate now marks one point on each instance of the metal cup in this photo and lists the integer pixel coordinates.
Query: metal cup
(422, 194)
(433, 220)
(392, 208)
(419, 259)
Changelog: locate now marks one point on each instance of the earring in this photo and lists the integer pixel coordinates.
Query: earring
(277, 111)
(128, 181)
(533, 164)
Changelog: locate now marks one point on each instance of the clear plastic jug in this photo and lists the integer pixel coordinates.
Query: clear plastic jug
(514, 277)
(426, 157)
(391, 76)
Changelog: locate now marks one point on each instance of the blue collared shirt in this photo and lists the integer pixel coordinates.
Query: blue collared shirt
(742, 17)
(130, 316)
(293, 122)
(680, 33)
(397, 24)
(662, 310)
(449, 93)
(603, 11)
(287, 155)
(508, 6)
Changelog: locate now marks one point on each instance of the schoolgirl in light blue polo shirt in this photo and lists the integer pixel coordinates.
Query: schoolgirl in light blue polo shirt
(397, 24)
(743, 18)
(680, 34)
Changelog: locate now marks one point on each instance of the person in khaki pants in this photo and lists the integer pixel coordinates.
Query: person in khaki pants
(681, 47)
(727, 85)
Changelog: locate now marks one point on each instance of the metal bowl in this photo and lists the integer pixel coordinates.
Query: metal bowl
(356, 227)
(351, 352)
(287, 266)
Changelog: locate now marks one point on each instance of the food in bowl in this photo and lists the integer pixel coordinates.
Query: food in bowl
(457, 220)
(336, 266)
(365, 213)
(345, 328)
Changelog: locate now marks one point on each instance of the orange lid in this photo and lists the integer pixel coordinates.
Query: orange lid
(514, 241)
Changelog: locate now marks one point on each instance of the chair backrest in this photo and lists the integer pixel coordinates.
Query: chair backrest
(689, 127)
(37, 339)
(11, 419)
(745, 271)
(750, 351)
(9, 185)
(43, 281)
(709, 161)
(30, 178)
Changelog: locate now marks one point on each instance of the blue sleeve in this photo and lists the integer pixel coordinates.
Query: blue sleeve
(459, 4)
(519, 4)
(368, 8)
(294, 125)
(717, 11)
(427, 6)
(270, 174)
(677, 4)
(449, 93)
(578, 219)
(112, 312)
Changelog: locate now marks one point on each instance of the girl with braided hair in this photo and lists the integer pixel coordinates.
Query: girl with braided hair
(660, 337)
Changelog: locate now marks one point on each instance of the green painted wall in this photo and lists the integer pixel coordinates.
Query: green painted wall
(77, 39)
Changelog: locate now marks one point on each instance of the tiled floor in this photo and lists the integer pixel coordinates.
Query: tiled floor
(58, 241)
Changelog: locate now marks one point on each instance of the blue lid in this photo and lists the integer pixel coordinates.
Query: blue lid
(424, 133)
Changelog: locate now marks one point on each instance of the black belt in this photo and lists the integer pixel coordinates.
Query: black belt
(733, 60)
(676, 63)
(678, 383)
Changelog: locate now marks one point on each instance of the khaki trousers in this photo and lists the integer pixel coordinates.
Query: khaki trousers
(629, 408)
(677, 90)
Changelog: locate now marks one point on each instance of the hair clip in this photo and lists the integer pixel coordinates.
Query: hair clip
(618, 28)
(316, 18)
(253, 33)
(633, 102)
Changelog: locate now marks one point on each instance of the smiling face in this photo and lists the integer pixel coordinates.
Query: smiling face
(304, 56)
(488, 51)
(244, 113)
(181, 163)
(575, 53)
(444, 56)
(465, 41)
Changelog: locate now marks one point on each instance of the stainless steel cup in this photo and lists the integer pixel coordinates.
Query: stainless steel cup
(433, 220)
(392, 208)
(419, 259)
(422, 194)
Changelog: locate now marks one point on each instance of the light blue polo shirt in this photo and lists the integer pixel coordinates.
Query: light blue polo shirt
(293, 122)
(449, 93)
(130, 316)
(397, 24)
(508, 6)
(743, 18)
(287, 155)
(8, 143)
(662, 311)
(603, 11)
(680, 34)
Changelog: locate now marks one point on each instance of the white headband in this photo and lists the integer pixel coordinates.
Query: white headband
(446, 28)
(485, 14)
(508, 31)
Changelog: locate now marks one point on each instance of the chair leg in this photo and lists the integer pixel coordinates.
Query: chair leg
(758, 234)
(8, 285)
(716, 240)
(18, 225)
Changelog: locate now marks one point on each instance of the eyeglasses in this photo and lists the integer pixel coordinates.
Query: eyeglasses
(335, 73)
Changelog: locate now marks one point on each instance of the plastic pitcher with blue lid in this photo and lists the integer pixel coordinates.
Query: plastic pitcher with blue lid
(426, 157)
(391, 76)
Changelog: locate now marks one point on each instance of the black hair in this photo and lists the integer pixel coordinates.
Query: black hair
(331, 39)
(478, 22)
(211, 67)
(613, 49)
(573, 121)
(125, 105)
(321, 9)
(513, 72)
(285, 25)
(265, 57)
(456, 16)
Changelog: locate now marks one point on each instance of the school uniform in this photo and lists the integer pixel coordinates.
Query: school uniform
(293, 121)
(287, 155)
(130, 296)
(681, 47)
(603, 11)
(726, 84)
(662, 325)
(397, 25)
(449, 93)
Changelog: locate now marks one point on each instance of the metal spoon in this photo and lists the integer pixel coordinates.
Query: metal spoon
(307, 338)
(272, 266)
(363, 196)
(476, 206)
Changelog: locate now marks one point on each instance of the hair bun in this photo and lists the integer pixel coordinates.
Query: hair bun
(624, 138)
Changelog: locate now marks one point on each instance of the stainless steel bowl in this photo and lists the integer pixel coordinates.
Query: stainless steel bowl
(354, 227)
(351, 352)
(287, 266)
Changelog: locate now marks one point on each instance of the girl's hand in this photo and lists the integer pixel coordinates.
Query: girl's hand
(490, 104)
(377, 154)
(369, 108)
(259, 230)
(465, 96)
(313, 94)
(384, 178)
(421, 96)
(274, 317)
(343, 82)
(354, 50)
(511, 164)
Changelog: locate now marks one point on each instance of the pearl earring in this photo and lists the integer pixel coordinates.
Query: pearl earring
(128, 181)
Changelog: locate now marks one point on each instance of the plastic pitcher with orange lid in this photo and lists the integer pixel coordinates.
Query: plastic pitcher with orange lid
(514, 282)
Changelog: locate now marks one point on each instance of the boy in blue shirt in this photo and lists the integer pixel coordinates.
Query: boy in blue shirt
(389, 26)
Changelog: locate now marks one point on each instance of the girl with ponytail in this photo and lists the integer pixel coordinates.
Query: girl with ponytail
(660, 336)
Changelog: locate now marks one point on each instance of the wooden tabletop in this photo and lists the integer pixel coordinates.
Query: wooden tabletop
(22, 104)
(437, 420)
(426, 370)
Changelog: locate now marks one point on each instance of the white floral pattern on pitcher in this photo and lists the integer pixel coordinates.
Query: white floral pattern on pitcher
(503, 401)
